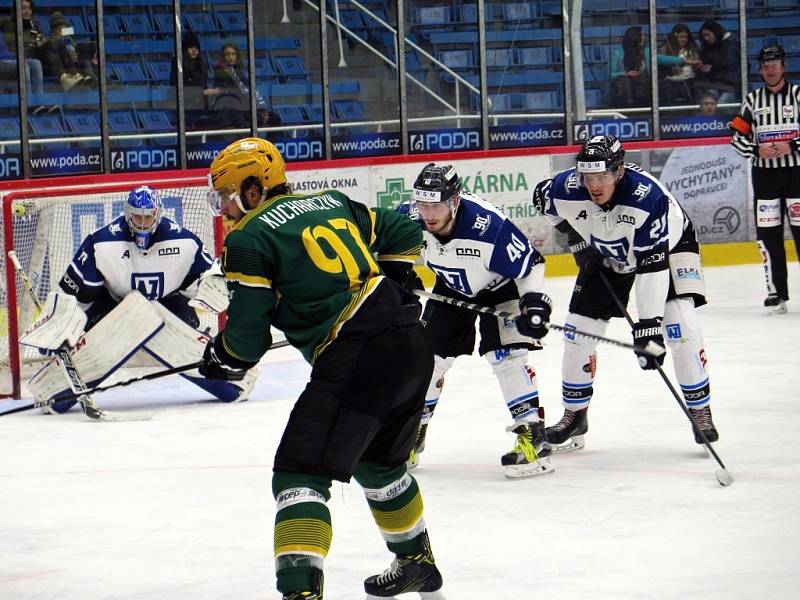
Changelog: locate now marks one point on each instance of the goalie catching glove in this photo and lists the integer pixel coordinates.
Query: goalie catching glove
(535, 309)
(212, 290)
(62, 322)
(219, 364)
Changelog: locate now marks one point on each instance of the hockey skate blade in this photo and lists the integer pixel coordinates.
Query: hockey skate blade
(122, 417)
(723, 477)
(541, 467)
(437, 595)
(574, 444)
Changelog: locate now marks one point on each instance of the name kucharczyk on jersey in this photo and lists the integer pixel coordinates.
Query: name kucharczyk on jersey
(289, 209)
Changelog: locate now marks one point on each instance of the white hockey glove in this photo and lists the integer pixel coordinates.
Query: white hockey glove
(212, 290)
(62, 321)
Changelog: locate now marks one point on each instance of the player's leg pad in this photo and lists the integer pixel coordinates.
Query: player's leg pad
(102, 350)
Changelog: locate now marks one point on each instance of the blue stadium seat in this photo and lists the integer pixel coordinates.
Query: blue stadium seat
(46, 125)
(160, 71)
(231, 20)
(139, 23)
(535, 56)
(83, 123)
(127, 72)
(122, 121)
(201, 22)
(594, 98)
(428, 19)
(157, 121)
(265, 69)
(112, 24)
(500, 58)
(291, 114)
(519, 13)
(353, 20)
(347, 110)
(790, 43)
(291, 68)
(164, 22)
(314, 112)
(9, 128)
(539, 101)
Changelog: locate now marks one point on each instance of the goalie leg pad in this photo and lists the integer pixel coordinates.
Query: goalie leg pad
(517, 382)
(579, 361)
(179, 344)
(104, 348)
(62, 321)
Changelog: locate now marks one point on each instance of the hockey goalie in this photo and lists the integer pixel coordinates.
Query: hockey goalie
(132, 286)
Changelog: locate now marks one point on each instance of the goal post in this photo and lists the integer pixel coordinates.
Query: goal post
(46, 223)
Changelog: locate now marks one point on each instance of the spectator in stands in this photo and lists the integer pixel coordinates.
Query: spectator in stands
(87, 62)
(708, 103)
(233, 101)
(32, 42)
(60, 56)
(197, 95)
(720, 61)
(630, 79)
(8, 69)
(677, 78)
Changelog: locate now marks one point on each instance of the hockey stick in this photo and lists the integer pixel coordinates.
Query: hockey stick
(652, 348)
(149, 376)
(76, 382)
(723, 475)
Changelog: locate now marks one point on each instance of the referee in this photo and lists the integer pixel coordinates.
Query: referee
(767, 130)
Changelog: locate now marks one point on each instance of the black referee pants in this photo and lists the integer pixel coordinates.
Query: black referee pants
(776, 194)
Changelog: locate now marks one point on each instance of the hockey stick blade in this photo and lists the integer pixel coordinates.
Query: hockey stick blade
(723, 477)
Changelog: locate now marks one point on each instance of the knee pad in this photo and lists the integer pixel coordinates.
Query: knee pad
(684, 338)
(579, 362)
(517, 382)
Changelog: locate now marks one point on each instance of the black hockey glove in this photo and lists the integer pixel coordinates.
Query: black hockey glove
(647, 336)
(588, 259)
(218, 364)
(535, 309)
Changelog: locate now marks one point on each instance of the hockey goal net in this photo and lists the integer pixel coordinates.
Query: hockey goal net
(45, 225)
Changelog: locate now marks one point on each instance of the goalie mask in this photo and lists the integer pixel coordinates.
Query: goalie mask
(143, 212)
(240, 166)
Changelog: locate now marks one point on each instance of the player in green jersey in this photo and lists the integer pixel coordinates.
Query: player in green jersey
(323, 269)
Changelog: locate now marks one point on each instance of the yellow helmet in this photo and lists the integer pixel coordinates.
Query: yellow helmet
(245, 158)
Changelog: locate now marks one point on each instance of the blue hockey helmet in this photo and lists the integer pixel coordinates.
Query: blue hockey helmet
(143, 212)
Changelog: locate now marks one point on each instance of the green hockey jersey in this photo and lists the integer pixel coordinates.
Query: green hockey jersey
(304, 264)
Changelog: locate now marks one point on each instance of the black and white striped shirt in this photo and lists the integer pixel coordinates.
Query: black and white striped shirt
(766, 117)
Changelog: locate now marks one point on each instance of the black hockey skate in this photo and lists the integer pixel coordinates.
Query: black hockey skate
(408, 573)
(419, 446)
(571, 428)
(313, 594)
(530, 455)
(702, 418)
(775, 305)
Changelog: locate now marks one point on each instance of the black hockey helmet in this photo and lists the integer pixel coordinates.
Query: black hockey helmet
(772, 52)
(437, 184)
(599, 154)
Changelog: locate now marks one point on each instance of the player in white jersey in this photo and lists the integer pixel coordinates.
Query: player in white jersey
(140, 272)
(481, 257)
(623, 223)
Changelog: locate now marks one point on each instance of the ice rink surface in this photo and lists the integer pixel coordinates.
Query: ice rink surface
(179, 507)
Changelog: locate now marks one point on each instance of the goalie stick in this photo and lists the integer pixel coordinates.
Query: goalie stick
(73, 376)
(149, 376)
(652, 348)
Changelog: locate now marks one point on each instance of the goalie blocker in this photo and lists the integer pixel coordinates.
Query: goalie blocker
(134, 324)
